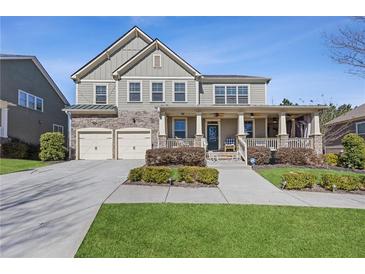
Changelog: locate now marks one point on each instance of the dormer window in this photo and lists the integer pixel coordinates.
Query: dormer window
(157, 61)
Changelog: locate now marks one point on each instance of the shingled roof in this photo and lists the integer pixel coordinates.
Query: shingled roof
(355, 114)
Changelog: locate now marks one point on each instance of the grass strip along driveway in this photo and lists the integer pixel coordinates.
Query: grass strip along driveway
(273, 175)
(187, 230)
(14, 165)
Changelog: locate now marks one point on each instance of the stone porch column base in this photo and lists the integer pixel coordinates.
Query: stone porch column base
(317, 144)
(283, 140)
(162, 141)
(198, 140)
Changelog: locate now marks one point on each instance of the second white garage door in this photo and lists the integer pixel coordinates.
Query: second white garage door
(95, 145)
(133, 144)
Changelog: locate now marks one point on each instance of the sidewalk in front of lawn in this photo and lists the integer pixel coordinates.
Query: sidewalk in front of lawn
(237, 186)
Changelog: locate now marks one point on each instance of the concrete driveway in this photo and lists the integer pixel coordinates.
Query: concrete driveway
(47, 212)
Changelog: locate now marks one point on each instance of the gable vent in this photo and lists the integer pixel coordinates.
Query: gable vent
(157, 61)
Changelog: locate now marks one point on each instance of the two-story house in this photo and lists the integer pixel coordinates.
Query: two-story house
(139, 94)
(30, 101)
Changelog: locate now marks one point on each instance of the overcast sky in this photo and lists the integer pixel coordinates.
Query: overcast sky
(290, 50)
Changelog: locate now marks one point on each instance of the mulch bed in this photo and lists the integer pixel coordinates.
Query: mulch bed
(318, 188)
(314, 167)
(178, 184)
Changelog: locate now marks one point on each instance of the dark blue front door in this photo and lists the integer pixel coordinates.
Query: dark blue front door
(212, 137)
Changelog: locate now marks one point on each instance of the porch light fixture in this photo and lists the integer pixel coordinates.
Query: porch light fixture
(251, 115)
(134, 120)
(216, 114)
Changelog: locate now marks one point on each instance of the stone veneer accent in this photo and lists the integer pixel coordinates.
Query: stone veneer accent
(125, 119)
(317, 144)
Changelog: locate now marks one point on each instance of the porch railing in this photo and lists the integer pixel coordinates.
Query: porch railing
(177, 142)
(271, 143)
(300, 142)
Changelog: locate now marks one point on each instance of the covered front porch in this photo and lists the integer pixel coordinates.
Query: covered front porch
(220, 129)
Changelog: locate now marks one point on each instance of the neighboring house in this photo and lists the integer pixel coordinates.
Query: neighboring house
(350, 122)
(31, 103)
(138, 94)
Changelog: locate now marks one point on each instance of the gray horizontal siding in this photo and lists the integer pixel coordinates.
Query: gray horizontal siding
(169, 67)
(86, 92)
(105, 70)
(257, 94)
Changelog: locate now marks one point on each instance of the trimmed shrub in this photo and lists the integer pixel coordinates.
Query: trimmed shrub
(354, 151)
(135, 174)
(331, 159)
(203, 175)
(52, 146)
(297, 156)
(158, 175)
(299, 180)
(15, 150)
(189, 156)
(344, 182)
(261, 154)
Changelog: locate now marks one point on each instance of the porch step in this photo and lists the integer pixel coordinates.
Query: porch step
(223, 156)
(237, 164)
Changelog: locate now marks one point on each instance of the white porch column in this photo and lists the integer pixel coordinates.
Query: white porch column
(4, 123)
(315, 130)
(199, 131)
(241, 124)
(282, 124)
(162, 124)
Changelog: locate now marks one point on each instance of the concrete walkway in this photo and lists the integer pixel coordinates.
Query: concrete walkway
(237, 186)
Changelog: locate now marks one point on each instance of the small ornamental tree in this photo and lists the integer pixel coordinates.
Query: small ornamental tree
(354, 151)
(52, 147)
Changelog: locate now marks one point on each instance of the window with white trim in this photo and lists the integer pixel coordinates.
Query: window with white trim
(180, 127)
(57, 128)
(30, 101)
(135, 92)
(157, 92)
(360, 128)
(157, 61)
(220, 95)
(230, 94)
(100, 94)
(180, 92)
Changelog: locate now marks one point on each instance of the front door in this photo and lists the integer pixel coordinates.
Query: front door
(212, 138)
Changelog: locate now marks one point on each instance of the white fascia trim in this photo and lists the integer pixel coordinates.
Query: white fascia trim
(160, 46)
(157, 77)
(77, 93)
(117, 93)
(196, 92)
(107, 93)
(163, 91)
(106, 52)
(173, 91)
(141, 97)
(96, 81)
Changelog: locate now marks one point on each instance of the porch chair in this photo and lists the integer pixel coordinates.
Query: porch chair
(230, 144)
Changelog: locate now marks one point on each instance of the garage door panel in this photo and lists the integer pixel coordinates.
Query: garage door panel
(95, 146)
(133, 145)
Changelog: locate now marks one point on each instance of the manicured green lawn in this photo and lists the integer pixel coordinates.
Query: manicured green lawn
(13, 165)
(187, 230)
(273, 175)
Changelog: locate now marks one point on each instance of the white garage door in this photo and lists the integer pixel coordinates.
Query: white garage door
(95, 145)
(133, 144)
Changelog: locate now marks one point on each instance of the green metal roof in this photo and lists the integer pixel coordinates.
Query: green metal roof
(91, 107)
